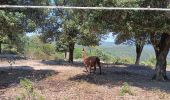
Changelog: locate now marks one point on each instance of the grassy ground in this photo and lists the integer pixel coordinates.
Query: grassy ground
(62, 81)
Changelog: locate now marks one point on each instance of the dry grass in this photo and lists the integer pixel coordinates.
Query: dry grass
(68, 82)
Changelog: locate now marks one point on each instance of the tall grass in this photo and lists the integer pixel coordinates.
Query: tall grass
(126, 89)
(123, 60)
(150, 62)
(29, 92)
(37, 50)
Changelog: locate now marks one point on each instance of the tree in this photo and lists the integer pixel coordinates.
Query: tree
(161, 46)
(74, 30)
(139, 40)
(16, 22)
(136, 22)
(11, 25)
(159, 25)
(70, 34)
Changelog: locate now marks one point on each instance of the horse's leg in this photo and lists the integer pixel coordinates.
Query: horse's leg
(90, 68)
(100, 69)
(86, 68)
(98, 62)
(94, 68)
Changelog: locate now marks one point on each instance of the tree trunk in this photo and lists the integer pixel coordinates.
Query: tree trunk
(161, 52)
(139, 49)
(71, 52)
(160, 69)
(65, 54)
(0, 47)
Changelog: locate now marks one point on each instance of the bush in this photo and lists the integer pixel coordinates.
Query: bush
(123, 60)
(10, 51)
(126, 89)
(77, 53)
(150, 62)
(36, 49)
(40, 55)
(48, 49)
(30, 93)
(99, 53)
(59, 55)
(103, 55)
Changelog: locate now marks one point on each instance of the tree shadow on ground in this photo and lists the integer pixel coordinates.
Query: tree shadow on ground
(62, 63)
(10, 76)
(138, 76)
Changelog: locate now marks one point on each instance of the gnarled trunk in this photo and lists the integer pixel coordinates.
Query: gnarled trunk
(139, 49)
(71, 52)
(160, 69)
(161, 52)
(0, 47)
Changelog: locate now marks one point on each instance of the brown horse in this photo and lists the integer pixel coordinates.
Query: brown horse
(90, 62)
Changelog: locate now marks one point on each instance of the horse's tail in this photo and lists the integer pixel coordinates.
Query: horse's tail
(98, 63)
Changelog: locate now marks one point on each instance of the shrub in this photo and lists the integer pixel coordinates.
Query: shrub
(59, 55)
(77, 53)
(123, 60)
(102, 55)
(42, 51)
(48, 49)
(36, 49)
(10, 51)
(126, 89)
(150, 62)
(30, 93)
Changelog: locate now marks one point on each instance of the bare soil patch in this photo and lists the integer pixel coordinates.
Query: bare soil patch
(58, 80)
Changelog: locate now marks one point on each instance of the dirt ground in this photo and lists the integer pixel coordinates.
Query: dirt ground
(58, 80)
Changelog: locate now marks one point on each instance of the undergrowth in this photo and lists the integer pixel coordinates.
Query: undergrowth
(29, 92)
(126, 89)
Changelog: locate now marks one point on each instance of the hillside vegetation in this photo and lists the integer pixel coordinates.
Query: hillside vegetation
(128, 51)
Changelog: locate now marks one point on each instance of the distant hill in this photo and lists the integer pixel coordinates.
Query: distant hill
(108, 44)
(128, 51)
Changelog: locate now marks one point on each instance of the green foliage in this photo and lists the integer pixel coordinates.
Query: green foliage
(103, 55)
(27, 84)
(16, 22)
(122, 60)
(31, 25)
(93, 52)
(78, 53)
(125, 21)
(151, 62)
(107, 58)
(59, 55)
(10, 51)
(48, 49)
(126, 89)
(89, 39)
(11, 22)
(16, 46)
(11, 29)
(61, 45)
(30, 93)
(36, 49)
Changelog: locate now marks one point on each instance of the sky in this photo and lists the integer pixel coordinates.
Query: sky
(109, 38)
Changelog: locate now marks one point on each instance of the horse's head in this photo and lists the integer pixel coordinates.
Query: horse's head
(84, 53)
